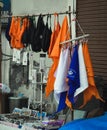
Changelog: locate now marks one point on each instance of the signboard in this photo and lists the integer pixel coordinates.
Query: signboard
(5, 11)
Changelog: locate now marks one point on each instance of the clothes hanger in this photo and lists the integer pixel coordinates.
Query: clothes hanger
(75, 39)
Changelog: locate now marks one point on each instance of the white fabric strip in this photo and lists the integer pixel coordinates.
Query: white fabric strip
(60, 84)
(82, 72)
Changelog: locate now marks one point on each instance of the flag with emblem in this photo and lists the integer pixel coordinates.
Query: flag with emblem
(73, 75)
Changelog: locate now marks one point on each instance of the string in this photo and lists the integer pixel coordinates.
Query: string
(78, 24)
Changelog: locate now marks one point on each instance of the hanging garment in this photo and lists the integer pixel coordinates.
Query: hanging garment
(55, 53)
(50, 82)
(13, 30)
(73, 75)
(31, 30)
(91, 90)
(22, 24)
(60, 84)
(25, 35)
(46, 36)
(62, 101)
(16, 30)
(36, 45)
(51, 79)
(54, 34)
(82, 72)
(63, 35)
(28, 34)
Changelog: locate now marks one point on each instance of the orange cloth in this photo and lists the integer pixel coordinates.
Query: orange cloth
(54, 53)
(51, 78)
(16, 30)
(91, 90)
(13, 31)
(54, 35)
(50, 82)
(21, 29)
(64, 35)
(68, 103)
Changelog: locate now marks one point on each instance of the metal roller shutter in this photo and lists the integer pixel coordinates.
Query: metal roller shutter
(92, 16)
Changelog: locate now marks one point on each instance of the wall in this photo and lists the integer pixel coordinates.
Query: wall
(19, 7)
(41, 6)
(25, 7)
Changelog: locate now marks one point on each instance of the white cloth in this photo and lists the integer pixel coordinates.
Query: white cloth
(60, 84)
(82, 72)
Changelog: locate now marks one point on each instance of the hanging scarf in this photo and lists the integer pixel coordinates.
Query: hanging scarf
(73, 75)
(60, 85)
(55, 54)
(50, 82)
(82, 72)
(91, 90)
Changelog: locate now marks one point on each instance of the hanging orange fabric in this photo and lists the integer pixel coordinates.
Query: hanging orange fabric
(54, 34)
(50, 82)
(51, 79)
(21, 28)
(91, 90)
(13, 31)
(63, 35)
(68, 103)
(16, 30)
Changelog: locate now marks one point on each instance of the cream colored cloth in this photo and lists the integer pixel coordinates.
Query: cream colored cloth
(82, 72)
(60, 84)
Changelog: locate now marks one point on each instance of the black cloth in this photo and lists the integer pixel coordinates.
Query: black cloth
(46, 37)
(38, 35)
(27, 37)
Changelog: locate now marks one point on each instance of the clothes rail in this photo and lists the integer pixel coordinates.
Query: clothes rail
(43, 14)
(77, 38)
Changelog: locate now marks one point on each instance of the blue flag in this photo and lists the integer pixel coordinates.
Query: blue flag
(73, 75)
(62, 103)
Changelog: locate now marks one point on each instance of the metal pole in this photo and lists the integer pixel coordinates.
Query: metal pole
(0, 41)
(1, 5)
(77, 38)
(70, 20)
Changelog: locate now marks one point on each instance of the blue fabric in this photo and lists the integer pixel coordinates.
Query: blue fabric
(62, 103)
(7, 5)
(96, 123)
(73, 75)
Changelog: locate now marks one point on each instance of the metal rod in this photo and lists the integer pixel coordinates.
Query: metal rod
(70, 19)
(77, 38)
(60, 13)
